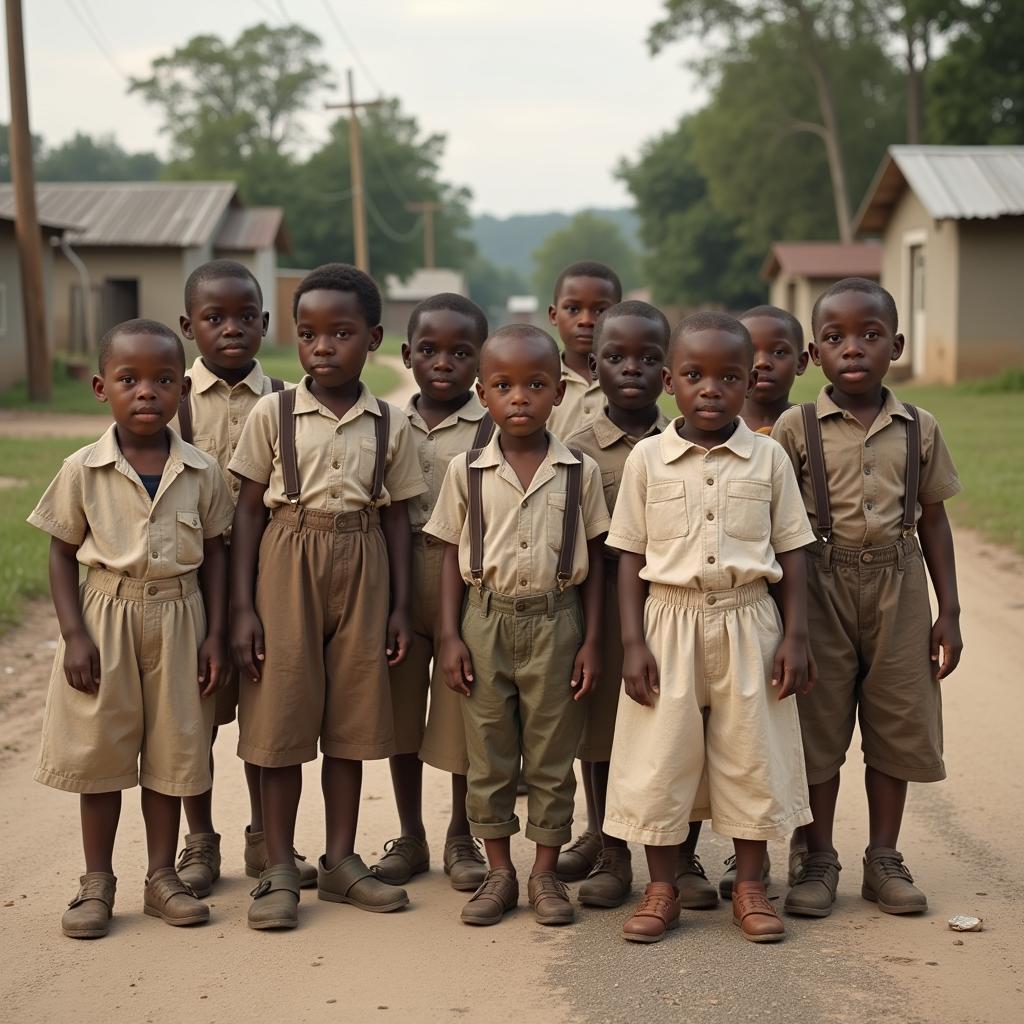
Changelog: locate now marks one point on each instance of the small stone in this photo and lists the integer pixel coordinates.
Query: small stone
(332, 1000)
(931, 963)
(958, 942)
(315, 963)
(9, 903)
(204, 997)
(965, 923)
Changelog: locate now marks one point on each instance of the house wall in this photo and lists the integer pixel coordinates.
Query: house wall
(990, 328)
(263, 264)
(287, 280)
(797, 294)
(12, 313)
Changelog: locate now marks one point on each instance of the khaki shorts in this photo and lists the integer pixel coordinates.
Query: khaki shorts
(870, 627)
(601, 706)
(716, 713)
(439, 737)
(522, 706)
(322, 594)
(148, 705)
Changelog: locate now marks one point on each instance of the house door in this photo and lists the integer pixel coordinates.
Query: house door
(120, 300)
(917, 321)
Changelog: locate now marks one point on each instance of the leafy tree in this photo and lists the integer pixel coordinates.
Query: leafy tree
(490, 286)
(84, 158)
(5, 151)
(588, 236)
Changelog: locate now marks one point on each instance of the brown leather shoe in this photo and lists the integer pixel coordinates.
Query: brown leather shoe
(199, 862)
(464, 864)
(609, 884)
(88, 914)
(753, 913)
(695, 891)
(351, 881)
(497, 895)
(257, 860)
(550, 899)
(658, 913)
(167, 897)
(578, 860)
(403, 857)
(889, 883)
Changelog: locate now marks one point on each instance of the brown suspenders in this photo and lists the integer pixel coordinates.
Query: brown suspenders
(819, 485)
(185, 428)
(290, 462)
(570, 520)
(484, 431)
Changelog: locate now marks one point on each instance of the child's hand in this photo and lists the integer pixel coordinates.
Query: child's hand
(456, 665)
(399, 637)
(247, 649)
(946, 638)
(789, 671)
(81, 663)
(586, 670)
(640, 674)
(213, 664)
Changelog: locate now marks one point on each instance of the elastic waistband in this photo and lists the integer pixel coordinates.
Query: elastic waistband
(173, 589)
(298, 518)
(719, 600)
(871, 558)
(538, 604)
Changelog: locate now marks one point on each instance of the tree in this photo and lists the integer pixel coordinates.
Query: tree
(5, 152)
(83, 158)
(490, 286)
(588, 236)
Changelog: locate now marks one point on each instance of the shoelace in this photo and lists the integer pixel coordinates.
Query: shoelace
(656, 904)
(753, 903)
(403, 846)
(490, 886)
(893, 867)
(692, 866)
(93, 889)
(607, 860)
(730, 862)
(582, 840)
(197, 853)
(167, 888)
(465, 849)
(550, 886)
(816, 869)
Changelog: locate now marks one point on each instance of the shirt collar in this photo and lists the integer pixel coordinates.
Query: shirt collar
(305, 402)
(825, 406)
(203, 378)
(492, 454)
(472, 411)
(673, 446)
(607, 433)
(106, 452)
(572, 377)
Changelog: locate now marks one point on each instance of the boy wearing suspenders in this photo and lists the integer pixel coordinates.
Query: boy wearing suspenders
(873, 471)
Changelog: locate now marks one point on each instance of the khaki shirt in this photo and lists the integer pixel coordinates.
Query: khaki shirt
(709, 520)
(336, 458)
(98, 503)
(436, 448)
(582, 401)
(522, 528)
(866, 470)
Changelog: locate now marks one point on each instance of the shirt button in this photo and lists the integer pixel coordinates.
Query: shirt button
(156, 554)
(520, 606)
(710, 516)
(335, 464)
(711, 559)
(334, 494)
(869, 506)
(523, 544)
(712, 599)
(711, 481)
(152, 591)
(867, 444)
(522, 583)
(867, 471)
(234, 419)
(526, 503)
(867, 557)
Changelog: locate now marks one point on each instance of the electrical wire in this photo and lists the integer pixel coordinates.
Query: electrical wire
(100, 45)
(385, 228)
(347, 40)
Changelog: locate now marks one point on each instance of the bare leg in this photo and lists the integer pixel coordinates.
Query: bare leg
(823, 807)
(100, 813)
(599, 789)
(199, 809)
(886, 799)
(749, 859)
(459, 823)
(546, 859)
(499, 853)
(407, 781)
(689, 844)
(342, 781)
(162, 814)
(280, 789)
(662, 862)
(252, 780)
(594, 816)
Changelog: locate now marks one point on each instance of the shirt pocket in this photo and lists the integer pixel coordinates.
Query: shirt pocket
(206, 443)
(608, 483)
(666, 510)
(555, 520)
(189, 538)
(748, 509)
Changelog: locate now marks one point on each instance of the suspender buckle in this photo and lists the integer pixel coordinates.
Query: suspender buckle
(564, 579)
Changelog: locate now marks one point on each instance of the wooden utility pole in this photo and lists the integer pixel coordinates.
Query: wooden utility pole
(356, 157)
(26, 221)
(428, 210)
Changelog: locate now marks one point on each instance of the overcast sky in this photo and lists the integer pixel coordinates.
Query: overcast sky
(539, 98)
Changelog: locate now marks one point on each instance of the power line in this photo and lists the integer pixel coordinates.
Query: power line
(347, 40)
(265, 9)
(100, 45)
(386, 228)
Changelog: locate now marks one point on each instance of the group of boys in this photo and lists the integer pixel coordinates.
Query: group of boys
(527, 565)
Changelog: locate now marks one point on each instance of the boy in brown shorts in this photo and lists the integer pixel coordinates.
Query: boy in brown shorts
(872, 471)
(224, 316)
(311, 630)
(779, 358)
(142, 645)
(707, 517)
(445, 335)
(523, 520)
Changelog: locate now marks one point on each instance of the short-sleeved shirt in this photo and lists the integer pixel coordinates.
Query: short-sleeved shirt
(582, 401)
(866, 470)
(336, 457)
(436, 448)
(219, 412)
(98, 503)
(709, 520)
(522, 526)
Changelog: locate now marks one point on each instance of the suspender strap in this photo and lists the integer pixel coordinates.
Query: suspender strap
(476, 517)
(382, 427)
(816, 465)
(185, 420)
(484, 431)
(570, 521)
(289, 460)
(913, 470)
(276, 385)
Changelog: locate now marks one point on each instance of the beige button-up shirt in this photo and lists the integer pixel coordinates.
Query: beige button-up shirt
(866, 470)
(522, 526)
(336, 457)
(98, 503)
(436, 448)
(582, 401)
(709, 520)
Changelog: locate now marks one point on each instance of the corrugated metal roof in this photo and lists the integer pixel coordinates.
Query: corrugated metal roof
(158, 214)
(952, 182)
(423, 283)
(253, 227)
(46, 223)
(824, 259)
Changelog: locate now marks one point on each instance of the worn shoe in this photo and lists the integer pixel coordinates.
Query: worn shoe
(658, 913)
(797, 855)
(403, 857)
(167, 897)
(89, 913)
(464, 864)
(199, 863)
(257, 861)
(814, 890)
(753, 913)
(351, 881)
(578, 860)
(549, 898)
(497, 895)
(275, 900)
(610, 882)
(888, 883)
(728, 880)
(695, 891)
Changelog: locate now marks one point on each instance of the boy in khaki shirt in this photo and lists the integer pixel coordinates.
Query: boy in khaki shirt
(142, 639)
(708, 516)
(523, 521)
(779, 358)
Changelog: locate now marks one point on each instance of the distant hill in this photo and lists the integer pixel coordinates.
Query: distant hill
(510, 241)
